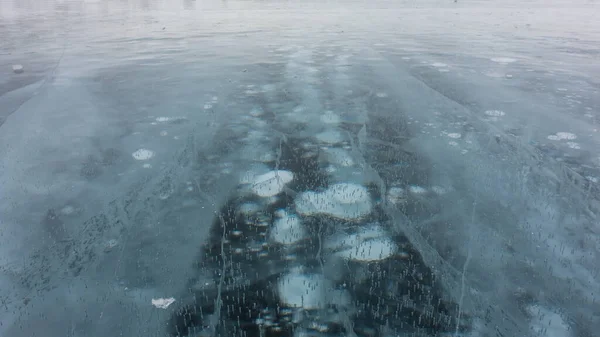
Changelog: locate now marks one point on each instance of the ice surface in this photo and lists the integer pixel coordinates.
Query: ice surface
(82, 162)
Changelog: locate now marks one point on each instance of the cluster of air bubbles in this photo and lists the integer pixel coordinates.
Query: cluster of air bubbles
(559, 136)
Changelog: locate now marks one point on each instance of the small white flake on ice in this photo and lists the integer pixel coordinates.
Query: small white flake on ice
(162, 303)
(439, 65)
(574, 145)
(454, 135)
(142, 154)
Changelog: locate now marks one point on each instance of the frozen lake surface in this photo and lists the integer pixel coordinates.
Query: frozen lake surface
(337, 168)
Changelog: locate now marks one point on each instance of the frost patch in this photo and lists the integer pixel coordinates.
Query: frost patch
(162, 303)
(343, 200)
(574, 145)
(271, 183)
(142, 154)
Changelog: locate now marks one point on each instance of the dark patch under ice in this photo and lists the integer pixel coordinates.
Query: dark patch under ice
(238, 291)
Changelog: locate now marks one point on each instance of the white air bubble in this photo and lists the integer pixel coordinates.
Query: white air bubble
(494, 113)
(271, 183)
(414, 189)
(396, 195)
(370, 250)
(163, 133)
(381, 94)
(67, 210)
(330, 118)
(306, 291)
(142, 154)
(454, 135)
(574, 145)
(343, 200)
(566, 135)
(503, 59)
(545, 322)
(162, 303)
(287, 230)
(17, 68)
(439, 65)
(330, 137)
(562, 136)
